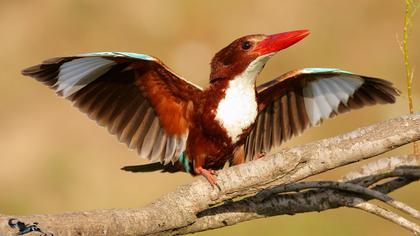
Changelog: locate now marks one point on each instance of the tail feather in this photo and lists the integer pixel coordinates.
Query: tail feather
(157, 166)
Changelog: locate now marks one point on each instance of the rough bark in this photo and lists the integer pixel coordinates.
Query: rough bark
(269, 204)
(177, 212)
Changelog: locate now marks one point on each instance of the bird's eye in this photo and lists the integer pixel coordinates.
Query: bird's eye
(246, 45)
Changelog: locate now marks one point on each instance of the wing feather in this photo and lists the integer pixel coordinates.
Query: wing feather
(276, 134)
(149, 139)
(259, 133)
(267, 130)
(131, 94)
(144, 132)
(285, 125)
(303, 98)
(170, 149)
(159, 146)
(295, 123)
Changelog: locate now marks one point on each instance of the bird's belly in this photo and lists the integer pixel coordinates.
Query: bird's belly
(237, 111)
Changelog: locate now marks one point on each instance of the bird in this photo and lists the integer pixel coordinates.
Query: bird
(180, 126)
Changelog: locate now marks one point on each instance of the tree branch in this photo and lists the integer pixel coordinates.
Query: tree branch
(353, 188)
(188, 209)
(263, 205)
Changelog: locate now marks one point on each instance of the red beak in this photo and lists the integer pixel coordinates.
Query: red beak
(277, 42)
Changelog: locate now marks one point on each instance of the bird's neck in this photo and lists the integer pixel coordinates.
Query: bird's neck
(249, 75)
(236, 107)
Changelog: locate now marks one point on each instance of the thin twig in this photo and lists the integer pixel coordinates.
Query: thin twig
(409, 12)
(384, 213)
(405, 54)
(390, 166)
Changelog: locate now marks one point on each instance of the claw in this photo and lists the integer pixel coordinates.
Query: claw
(213, 172)
(210, 175)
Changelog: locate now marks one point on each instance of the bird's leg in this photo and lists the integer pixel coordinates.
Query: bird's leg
(207, 173)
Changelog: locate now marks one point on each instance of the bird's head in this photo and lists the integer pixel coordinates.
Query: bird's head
(249, 54)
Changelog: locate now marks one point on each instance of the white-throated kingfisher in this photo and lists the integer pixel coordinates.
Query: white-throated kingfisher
(183, 127)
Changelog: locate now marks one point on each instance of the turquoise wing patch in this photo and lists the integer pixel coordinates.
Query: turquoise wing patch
(185, 163)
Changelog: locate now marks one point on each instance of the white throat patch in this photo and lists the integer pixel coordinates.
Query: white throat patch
(239, 109)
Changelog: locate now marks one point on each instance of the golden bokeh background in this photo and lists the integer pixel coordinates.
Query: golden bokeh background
(54, 159)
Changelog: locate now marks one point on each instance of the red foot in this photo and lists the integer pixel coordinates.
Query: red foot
(208, 174)
(260, 155)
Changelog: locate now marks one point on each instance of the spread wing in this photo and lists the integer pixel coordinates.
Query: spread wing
(303, 98)
(134, 95)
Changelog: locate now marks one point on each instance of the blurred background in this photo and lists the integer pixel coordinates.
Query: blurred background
(54, 159)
